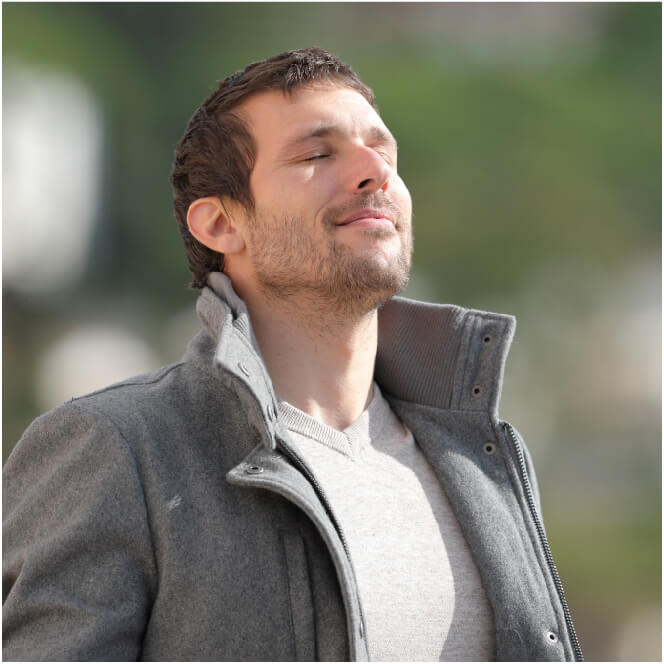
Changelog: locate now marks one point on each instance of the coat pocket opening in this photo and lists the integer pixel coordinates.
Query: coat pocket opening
(301, 603)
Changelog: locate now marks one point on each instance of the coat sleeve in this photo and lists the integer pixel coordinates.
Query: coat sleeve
(79, 573)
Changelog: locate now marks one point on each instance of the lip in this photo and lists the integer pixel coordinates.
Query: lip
(367, 215)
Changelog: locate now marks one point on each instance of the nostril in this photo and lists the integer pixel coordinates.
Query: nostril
(363, 183)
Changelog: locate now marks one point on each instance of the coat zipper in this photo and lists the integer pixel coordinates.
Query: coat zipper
(543, 540)
(299, 462)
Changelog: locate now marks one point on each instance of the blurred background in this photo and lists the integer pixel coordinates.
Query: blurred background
(530, 137)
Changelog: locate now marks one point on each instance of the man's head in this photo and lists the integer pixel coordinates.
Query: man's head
(270, 167)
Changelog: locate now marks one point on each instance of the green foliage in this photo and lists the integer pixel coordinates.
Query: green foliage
(601, 558)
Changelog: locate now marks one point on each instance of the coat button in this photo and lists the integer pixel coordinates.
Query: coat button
(254, 469)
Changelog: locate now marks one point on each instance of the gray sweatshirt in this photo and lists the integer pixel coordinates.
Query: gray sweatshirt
(421, 592)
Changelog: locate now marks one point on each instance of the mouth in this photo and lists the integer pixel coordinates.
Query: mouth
(369, 217)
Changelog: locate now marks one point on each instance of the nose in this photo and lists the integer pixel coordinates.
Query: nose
(369, 172)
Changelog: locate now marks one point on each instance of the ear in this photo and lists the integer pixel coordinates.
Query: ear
(212, 226)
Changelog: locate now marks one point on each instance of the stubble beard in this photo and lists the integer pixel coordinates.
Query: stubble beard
(328, 281)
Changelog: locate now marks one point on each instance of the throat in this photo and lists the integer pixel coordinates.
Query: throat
(341, 412)
(324, 371)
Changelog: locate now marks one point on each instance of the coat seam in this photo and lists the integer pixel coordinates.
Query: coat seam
(118, 386)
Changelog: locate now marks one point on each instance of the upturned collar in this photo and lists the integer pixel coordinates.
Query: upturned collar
(438, 355)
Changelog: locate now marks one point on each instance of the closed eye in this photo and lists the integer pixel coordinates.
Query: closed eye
(317, 156)
(385, 154)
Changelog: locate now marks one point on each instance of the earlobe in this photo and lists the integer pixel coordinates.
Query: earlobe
(211, 225)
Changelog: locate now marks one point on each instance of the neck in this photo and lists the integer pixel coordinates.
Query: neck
(321, 366)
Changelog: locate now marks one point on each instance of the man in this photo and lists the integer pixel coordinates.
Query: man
(323, 475)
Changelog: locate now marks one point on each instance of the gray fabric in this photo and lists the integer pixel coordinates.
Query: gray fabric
(159, 518)
(421, 593)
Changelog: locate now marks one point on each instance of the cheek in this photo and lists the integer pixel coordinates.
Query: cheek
(401, 196)
(300, 190)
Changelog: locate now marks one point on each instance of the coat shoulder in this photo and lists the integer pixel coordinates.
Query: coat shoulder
(167, 410)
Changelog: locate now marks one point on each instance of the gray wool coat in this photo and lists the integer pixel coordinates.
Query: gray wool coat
(167, 517)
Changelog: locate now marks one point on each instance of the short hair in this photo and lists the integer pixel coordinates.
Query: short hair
(217, 153)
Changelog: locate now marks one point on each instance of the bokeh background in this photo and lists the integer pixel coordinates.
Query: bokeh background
(530, 137)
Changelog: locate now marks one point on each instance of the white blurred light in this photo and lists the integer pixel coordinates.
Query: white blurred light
(89, 358)
(52, 148)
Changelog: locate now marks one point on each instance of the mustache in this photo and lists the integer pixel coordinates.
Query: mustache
(376, 200)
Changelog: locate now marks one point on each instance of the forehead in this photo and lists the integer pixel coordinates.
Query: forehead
(276, 118)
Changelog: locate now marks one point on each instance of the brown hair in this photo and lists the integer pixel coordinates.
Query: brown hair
(217, 153)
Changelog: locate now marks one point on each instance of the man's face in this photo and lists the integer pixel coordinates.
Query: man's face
(332, 219)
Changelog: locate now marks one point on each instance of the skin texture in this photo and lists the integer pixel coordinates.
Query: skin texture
(311, 282)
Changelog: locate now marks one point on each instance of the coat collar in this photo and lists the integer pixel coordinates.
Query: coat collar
(438, 355)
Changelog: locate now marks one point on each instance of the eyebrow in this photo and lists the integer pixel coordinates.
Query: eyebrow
(377, 134)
